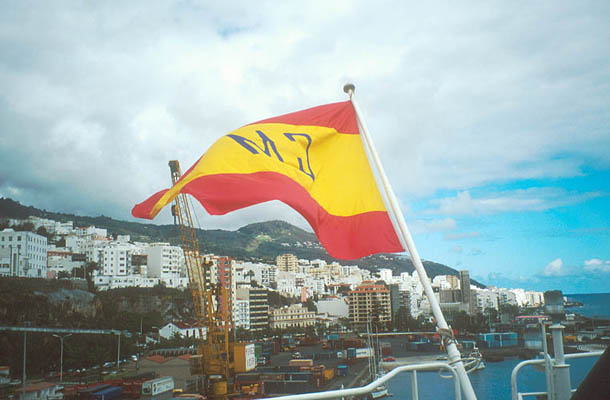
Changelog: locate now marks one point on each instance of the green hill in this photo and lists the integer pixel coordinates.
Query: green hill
(254, 242)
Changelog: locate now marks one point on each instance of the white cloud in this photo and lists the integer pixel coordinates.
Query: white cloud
(456, 249)
(597, 265)
(554, 268)
(97, 98)
(461, 235)
(432, 225)
(532, 199)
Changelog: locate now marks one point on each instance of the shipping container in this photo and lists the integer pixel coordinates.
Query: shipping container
(351, 353)
(329, 374)
(244, 357)
(85, 394)
(353, 342)
(498, 340)
(298, 376)
(109, 393)
(157, 386)
(247, 379)
(364, 353)
(272, 376)
(301, 363)
(332, 336)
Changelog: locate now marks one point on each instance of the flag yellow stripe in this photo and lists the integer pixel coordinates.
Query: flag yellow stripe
(300, 153)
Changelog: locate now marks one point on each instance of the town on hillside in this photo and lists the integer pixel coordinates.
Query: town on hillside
(310, 315)
(59, 250)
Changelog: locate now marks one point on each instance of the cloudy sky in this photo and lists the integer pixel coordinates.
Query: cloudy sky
(493, 120)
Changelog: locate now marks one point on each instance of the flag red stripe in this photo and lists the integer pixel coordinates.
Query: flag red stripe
(340, 116)
(345, 238)
(143, 209)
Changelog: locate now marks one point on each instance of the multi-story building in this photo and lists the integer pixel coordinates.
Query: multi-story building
(258, 306)
(241, 313)
(259, 309)
(287, 262)
(506, 296)
(165, 262)
(115, 258)
(224, 267)
(293, 316)
(370, 302)
(395, 302)
(485, 299)
(23, 254)
(467, 298)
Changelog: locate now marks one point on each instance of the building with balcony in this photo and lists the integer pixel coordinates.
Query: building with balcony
(293, 316)
(23, 254)
(370, 302)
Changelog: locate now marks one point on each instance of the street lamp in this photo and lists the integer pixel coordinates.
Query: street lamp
(61, 357)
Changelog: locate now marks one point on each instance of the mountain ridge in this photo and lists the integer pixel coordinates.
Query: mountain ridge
(259, 242)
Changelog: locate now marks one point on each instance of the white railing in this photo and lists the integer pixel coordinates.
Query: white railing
(516, 395)
(358, 391)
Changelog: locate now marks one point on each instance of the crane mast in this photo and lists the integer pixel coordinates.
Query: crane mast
(210, 300)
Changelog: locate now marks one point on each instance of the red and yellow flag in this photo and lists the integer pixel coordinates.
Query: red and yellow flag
(313, 160)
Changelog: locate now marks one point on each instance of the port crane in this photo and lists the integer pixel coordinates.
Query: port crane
(212, 306)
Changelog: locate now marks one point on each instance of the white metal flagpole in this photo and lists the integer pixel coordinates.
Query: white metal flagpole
(454, 357)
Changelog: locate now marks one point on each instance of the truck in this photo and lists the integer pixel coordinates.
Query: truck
(158, 386)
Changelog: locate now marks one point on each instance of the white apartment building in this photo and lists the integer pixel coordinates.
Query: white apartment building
(335, 307)
(165, 262)
(263, 274)
(506, 296)
(51, 226)
(105, 282)
(485, 298)
(23, 254)
(115, 258)
(534, 299)
(88, 245)
(241, 313)
(385, 274)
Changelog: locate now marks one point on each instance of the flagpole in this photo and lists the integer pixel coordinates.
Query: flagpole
(454, 357)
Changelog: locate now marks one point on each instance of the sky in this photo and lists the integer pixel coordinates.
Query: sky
(492, 119)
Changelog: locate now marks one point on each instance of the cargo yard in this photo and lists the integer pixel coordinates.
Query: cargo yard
(264, 369)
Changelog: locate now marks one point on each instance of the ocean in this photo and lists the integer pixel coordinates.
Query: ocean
(595, 305)
(493, 382)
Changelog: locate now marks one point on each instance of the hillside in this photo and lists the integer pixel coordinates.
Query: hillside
(254, 242)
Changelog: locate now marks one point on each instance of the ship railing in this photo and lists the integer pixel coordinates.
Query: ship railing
(548, 362)
(364, 390)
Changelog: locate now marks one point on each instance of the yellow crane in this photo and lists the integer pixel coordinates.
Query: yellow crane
(215, 359)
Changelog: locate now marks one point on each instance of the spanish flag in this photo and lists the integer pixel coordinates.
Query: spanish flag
(313, 160)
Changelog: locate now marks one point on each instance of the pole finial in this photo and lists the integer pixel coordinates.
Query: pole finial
(349, 88)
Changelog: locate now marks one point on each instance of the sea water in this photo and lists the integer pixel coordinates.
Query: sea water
(493, 382)
(595, 305)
